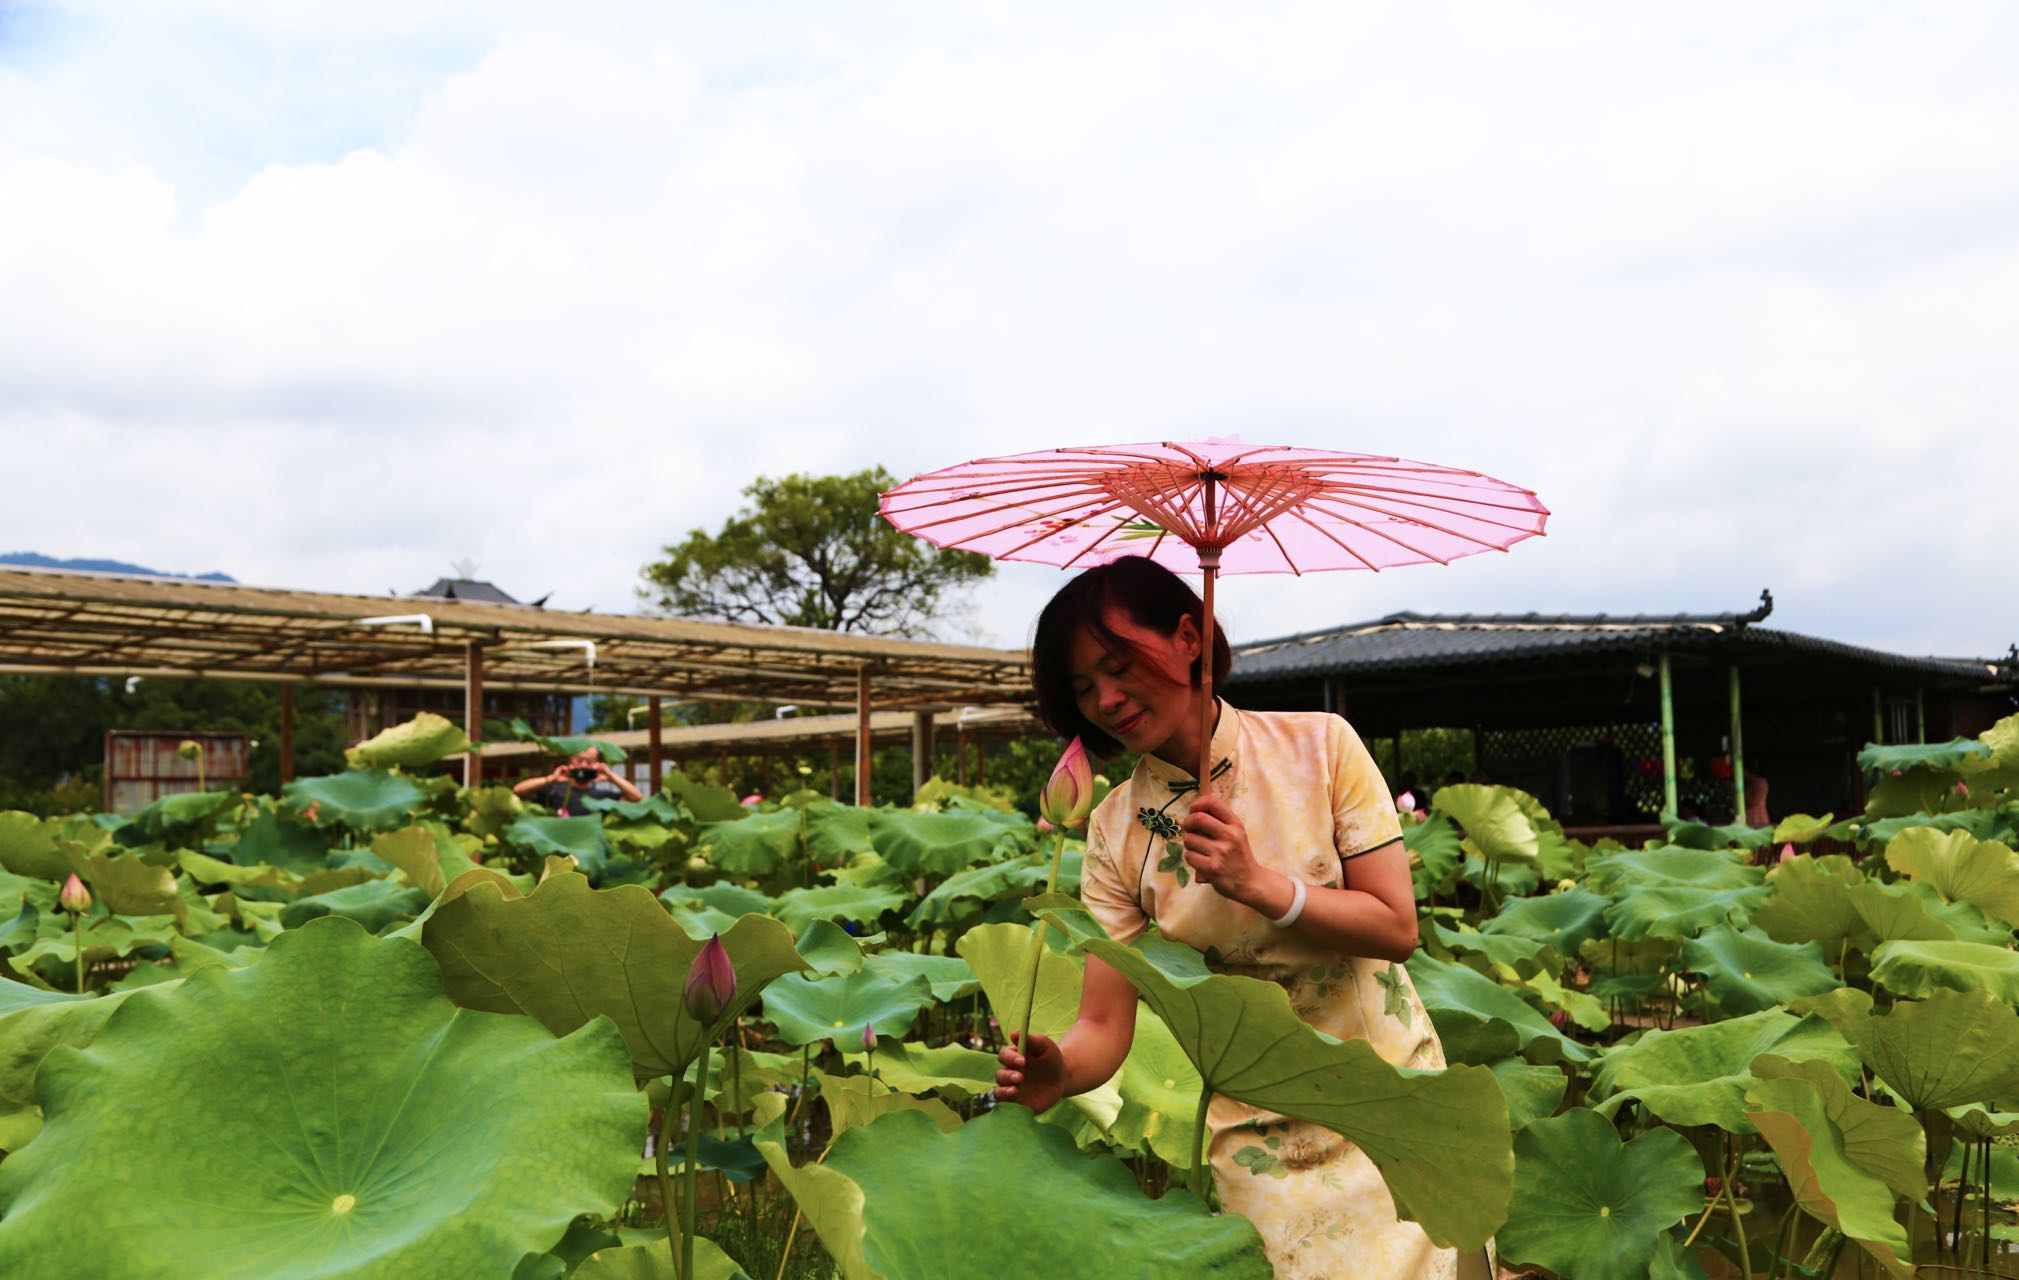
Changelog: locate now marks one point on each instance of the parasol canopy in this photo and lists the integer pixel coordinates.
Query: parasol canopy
(1265, 508)
(1211, 507)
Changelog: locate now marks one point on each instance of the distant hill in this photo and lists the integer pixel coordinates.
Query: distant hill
(35, 560)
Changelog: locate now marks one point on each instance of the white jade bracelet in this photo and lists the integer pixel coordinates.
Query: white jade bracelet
(1297, 895)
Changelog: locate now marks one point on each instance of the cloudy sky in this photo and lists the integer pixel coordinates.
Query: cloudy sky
(332, 295)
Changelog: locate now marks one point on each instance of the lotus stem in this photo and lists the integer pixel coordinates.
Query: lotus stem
(1822, 1248)
(1732, 1202)
(77, 945)
(1710, 1207)
(805, 1070)
(1784, 1242)
(687, 1205)
(1202, 1178)
(665, 1140)
(735, 1072)
(1962, 1186)
(1038, 944)
(1984, 1203)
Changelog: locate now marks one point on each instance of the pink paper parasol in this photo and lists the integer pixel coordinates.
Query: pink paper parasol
(1212, 507)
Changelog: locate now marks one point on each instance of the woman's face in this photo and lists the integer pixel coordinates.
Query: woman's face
(1139, 693)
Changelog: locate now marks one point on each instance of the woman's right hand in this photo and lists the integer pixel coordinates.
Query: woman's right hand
(1037, 1081)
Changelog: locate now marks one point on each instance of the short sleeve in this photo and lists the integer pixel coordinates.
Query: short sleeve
(1107, 883)
(1363, 815)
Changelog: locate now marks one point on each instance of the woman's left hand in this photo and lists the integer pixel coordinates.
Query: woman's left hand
(1216, 849)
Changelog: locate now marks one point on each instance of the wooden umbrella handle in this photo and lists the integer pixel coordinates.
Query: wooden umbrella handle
(1209, 562)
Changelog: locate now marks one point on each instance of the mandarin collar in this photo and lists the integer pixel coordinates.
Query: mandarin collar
(1226, 741)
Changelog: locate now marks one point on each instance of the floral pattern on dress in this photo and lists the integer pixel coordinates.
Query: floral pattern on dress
(1321, 1206)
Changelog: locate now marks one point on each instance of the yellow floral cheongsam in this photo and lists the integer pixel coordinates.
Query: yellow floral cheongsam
(1310, 797)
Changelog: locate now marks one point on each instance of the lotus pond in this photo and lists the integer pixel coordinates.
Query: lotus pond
(386, 1025)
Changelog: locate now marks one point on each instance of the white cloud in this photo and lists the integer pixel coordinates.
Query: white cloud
(328, 296)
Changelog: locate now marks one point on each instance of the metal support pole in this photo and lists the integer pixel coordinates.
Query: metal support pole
(1878, 718)
(286, 734)
(1738, 752)
(1668, 783)
(655, 747)
(473, 712)
(1920, 714)
(862, 745)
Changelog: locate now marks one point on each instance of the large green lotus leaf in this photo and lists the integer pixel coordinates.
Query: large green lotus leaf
(323, 1113)
(1921, 968)
(1909, 755)
(1561, 921)
(422, 740)
(1699, 1075)
(28, 847)
(1466, 1005)
(1962, 919)
(280, 841)
(1159, 1089)
(951, 899)
(566, 953)
(373, 904)
(361, 799)
(827, 948)
(1492, 818)
(1435, 851)
(1588, 1206)
(1801, 828)
(706, 802)
(754, 845)
(1701, 835)
(127, 886)
(1677, 911)
(561, 744)
(799, 907)
(951, 977)
(577, 838)
(1949, 1050)
(1671, 867)
(1893, 913)
(1985, 824)
(1961, 868)
(1748, 971)
(34, 1021)
(854, 1101)
(182, 818)
(413, 851)
(1498, 948)
(806, 1010)
(206, 870)
(1532, 1091)
(1000, 955)
(882, 1221)
(1440, 1138)
(654, 1261)
(1811, 902)
(1986, 776)
(939, 844)
(1916, 790)
(950, 1070)
(837, 834)
(1845, 1159)
(725, 896)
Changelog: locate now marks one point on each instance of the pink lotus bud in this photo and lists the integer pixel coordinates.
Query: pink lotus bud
(1406, 802)
(711, 982)
(1787, 851)
(868, 1038)
(1962, 787)
(1045, 828)
(752, 800)
(1068, 796)
(75, 898)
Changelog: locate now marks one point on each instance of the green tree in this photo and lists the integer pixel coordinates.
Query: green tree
(811, 551)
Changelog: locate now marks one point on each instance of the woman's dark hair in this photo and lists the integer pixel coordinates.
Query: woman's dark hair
(1151, 595)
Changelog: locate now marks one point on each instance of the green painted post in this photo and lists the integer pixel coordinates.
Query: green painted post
(1668, 787)
(1878, 719)
(1738, 752)
(1920, 715)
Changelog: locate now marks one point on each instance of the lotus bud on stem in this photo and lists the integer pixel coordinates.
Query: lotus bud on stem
(710, 990)
(191, 749)
(1066, 802)
(76, 899)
